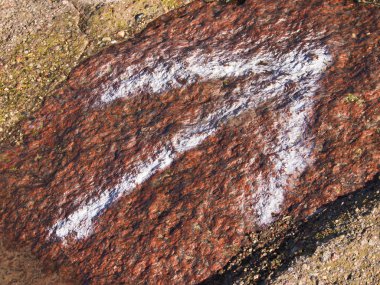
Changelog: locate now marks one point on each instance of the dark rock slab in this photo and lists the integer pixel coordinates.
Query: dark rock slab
(158, 155)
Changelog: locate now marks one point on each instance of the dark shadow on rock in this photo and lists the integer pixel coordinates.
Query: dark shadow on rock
(274, 251)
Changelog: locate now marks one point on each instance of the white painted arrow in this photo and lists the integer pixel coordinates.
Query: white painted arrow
(302, 66)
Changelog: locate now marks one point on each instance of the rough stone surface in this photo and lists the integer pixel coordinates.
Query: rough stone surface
(352, 258)
(158, 155)
(318, 250)
(43, 40)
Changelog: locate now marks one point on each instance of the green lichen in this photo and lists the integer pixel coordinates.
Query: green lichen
(170, 4)
(118, 21)
(106, 21)
(352, 98)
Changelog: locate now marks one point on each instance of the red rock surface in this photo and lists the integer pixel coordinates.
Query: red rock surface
(158, 155)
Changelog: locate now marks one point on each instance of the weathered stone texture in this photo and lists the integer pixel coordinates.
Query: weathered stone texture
(158, 155)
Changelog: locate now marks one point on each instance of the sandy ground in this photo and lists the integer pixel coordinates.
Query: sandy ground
(20, 267)
(42, 40)
(350, 258)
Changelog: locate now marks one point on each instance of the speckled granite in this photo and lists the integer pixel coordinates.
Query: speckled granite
(158, 155)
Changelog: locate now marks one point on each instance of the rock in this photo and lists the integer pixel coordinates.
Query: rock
(106, 39)
(139, 17)
(121, 34)
(326, 256)
(223, 117)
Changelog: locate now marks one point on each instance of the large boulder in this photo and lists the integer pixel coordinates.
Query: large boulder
(158, 155)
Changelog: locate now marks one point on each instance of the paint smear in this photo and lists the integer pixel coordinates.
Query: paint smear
(303, 67)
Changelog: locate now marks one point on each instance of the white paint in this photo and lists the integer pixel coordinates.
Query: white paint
(80, 221)
(292, 153)
(193, 68)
